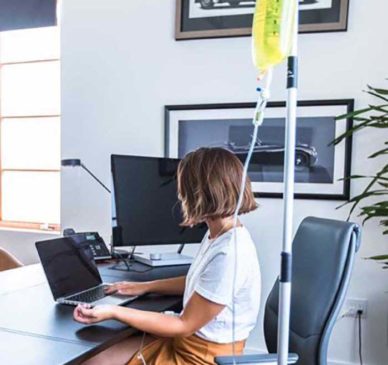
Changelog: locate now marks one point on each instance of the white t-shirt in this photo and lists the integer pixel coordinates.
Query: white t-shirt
(211, 276)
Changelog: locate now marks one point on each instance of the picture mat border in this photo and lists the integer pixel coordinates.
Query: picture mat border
(348, 104)
(303, 111)
(340, 26)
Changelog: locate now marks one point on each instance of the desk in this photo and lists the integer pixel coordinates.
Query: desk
(36, 330)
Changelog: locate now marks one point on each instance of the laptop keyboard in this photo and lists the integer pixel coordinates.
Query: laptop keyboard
(89, 296)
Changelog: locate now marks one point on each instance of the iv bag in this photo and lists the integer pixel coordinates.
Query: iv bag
(272, 32)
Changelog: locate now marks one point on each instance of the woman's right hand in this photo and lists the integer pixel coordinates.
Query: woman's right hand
(127, 288)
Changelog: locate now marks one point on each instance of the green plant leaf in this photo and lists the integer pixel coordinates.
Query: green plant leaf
(379, 108)
(353, 114)
(380, 118)
(377, 210)
(351, 177)
(368, 194)
(378, 257)
(381, 91)
(384, 151)
(379, 125)
(376, 121)
(376, 95)
(350, 132)
(382, 208)
(374, 116)
(372, 216)
(356, 119)
(377, 90)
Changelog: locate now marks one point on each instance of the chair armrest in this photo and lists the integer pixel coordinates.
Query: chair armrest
(264, 359)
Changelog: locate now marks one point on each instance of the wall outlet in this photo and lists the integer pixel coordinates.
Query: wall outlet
(352, 306)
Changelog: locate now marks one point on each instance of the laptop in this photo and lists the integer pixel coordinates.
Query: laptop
(72, 274)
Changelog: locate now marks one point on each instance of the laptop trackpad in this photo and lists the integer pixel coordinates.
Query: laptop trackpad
(115, 300)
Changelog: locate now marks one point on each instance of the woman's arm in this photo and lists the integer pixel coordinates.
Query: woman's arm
(173, 286)
(197, 313)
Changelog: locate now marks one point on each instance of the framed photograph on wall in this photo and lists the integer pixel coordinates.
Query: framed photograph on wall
(233, 18)
(321, 168)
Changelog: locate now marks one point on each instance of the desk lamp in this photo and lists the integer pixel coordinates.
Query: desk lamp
(75, 162)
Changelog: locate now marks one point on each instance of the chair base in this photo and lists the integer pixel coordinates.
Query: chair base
(267, 359)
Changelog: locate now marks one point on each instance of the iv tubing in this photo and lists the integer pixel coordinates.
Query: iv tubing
(257, 121)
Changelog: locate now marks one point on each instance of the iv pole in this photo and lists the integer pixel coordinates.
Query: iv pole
(288, 200)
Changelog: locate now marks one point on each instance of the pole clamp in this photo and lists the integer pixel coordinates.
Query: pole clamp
(286, 268)
(292, 72)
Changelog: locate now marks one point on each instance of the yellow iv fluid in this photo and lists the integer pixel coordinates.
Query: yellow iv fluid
(272, 32)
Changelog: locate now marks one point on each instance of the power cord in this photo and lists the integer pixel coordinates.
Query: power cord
(359, 315)
(128, 264)
(120, 258)
(129, 267)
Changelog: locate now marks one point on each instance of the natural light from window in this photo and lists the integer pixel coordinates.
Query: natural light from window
(30, 128)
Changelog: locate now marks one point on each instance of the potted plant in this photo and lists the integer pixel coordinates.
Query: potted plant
(374, 116)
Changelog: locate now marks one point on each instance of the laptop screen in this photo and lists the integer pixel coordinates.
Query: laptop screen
(69, 266)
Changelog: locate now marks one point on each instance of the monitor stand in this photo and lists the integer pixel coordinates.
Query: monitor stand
(164, 258)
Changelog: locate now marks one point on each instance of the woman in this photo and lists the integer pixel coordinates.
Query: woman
(208, 187)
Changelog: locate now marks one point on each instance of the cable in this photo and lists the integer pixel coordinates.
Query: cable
(128, 266)
(140, 352)
(121, 258)
(359, 314)
(257, 121)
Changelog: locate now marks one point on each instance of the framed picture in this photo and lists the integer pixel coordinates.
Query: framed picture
(233, 18)
(321, 168)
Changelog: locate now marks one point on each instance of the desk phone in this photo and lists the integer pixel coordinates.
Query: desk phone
(97, 245)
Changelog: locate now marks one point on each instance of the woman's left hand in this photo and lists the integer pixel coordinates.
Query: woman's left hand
(85, 313)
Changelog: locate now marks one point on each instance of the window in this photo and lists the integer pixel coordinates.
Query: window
(30, 128)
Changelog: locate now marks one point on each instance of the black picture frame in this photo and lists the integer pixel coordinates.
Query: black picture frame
(194, 22)
(339, 189)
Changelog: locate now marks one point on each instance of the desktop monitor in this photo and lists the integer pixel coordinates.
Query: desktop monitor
(146, 210)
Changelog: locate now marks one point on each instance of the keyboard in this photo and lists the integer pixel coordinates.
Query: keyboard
(89, 296)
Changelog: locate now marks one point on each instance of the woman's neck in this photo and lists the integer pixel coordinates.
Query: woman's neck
(219, 226)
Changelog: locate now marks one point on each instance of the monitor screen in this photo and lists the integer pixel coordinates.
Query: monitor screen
(146, 205)
(68, 264)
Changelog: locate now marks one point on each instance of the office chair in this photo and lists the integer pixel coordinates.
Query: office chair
(8, 261)
(323, 256)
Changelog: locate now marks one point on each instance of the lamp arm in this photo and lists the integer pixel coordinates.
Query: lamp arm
(95, 177)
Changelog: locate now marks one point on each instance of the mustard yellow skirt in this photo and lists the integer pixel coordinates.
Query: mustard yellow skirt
(191, 350)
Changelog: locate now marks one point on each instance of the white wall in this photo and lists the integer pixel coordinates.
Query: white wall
(22, 244)
(121, 65)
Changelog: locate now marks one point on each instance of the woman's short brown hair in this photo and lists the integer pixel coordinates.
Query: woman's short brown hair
(209, 182)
